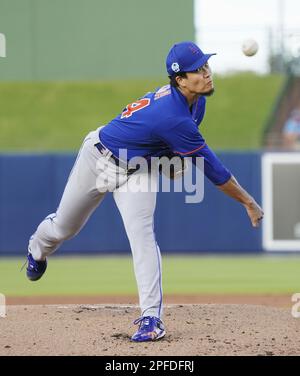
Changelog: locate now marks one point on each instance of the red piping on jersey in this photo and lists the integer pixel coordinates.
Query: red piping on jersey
(190, 152)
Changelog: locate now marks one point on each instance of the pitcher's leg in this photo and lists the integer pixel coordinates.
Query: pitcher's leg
(137, 210)
(79, 200)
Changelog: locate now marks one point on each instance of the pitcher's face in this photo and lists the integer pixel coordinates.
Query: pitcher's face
(198, 82)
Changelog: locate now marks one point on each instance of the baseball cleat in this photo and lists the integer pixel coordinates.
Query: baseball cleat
(35, 269)
(151, 329)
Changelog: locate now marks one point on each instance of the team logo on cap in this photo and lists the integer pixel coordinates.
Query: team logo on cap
(175, 67)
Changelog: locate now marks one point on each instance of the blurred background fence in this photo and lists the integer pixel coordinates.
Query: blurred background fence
(75, 39)
(32, 186)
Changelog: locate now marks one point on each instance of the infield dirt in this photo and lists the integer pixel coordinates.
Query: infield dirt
(192, 329)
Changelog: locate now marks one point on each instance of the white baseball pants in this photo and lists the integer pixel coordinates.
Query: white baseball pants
(92, 176)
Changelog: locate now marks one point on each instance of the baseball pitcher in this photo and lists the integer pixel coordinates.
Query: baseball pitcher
(163, 122)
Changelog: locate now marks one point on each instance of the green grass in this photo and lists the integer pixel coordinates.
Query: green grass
(181, 275)
(55, 116)
(237, 113)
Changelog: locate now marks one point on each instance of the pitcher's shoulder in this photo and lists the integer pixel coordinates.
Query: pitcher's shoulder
(162, 92)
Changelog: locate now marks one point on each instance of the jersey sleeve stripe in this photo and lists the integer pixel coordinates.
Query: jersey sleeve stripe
(190, 152)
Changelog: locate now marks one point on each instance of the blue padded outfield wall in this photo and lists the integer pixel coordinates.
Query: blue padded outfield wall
(31, 187)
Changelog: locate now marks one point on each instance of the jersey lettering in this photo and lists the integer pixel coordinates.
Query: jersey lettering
(135, 106)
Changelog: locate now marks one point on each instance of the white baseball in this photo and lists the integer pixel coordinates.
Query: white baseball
(250, 47)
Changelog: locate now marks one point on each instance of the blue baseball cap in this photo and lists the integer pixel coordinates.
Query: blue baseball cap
(185, 57)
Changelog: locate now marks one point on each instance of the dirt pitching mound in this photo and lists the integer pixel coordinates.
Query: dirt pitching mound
(206, 329)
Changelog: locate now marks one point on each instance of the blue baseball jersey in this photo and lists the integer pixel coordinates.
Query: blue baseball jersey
(163, 123)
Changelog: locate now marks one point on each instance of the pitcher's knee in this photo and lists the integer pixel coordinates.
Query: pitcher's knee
(66, 232)
(141, 227)
(51, 229)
